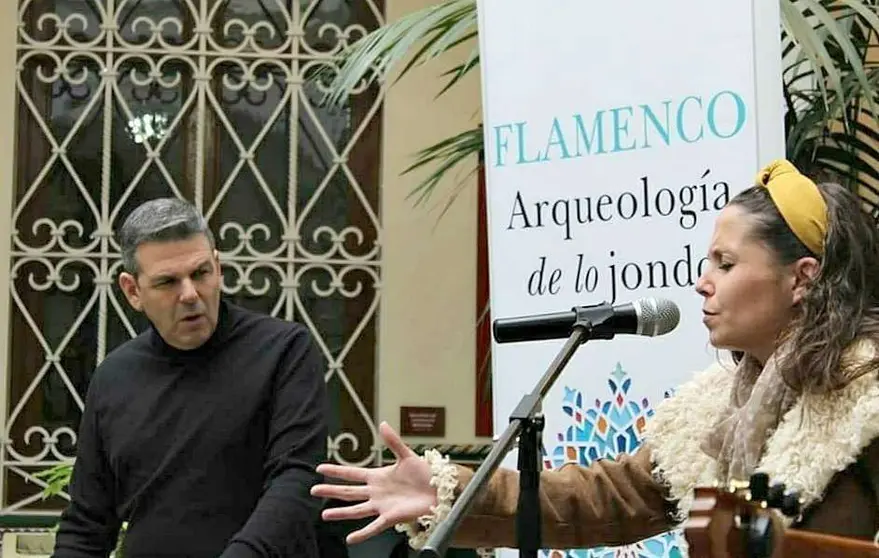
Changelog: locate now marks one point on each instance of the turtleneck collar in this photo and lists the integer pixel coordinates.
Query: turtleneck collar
(207, 348)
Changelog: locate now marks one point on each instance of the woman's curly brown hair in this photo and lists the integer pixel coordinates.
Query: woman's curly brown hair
(842, 304)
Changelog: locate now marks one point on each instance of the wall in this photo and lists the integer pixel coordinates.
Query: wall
(427, 318)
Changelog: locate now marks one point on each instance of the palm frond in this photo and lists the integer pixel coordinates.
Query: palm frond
(812, 46)
(57, 479)
(826, 81)
(853, 156)
(446, 155)
(811, 115)
(824, 36)
(437, 29)
(460, 71)
(838, 144)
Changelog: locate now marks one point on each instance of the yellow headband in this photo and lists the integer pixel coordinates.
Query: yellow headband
(799, 202)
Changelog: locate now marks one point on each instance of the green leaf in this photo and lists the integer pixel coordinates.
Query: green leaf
(866, 10)
(460, 71)
(852, 56)
(445, 155)
(812, 45)
(437, 28)
(57, 479)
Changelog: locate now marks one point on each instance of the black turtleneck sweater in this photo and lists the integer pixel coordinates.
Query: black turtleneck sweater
(208, 453)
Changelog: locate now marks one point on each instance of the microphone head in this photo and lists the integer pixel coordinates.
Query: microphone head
(656, 316)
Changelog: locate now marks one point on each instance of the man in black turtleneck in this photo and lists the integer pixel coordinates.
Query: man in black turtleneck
(204, 431)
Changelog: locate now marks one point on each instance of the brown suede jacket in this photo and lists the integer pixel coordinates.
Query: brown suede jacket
(826, 448)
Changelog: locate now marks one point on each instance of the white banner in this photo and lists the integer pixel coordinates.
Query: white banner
(614, 133)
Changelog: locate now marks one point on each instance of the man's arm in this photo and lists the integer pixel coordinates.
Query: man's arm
(89, 526)
(283, 522)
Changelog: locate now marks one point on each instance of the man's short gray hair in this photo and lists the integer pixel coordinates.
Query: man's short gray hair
(159, 220)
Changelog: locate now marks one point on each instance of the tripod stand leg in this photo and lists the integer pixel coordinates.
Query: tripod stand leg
(528, 517)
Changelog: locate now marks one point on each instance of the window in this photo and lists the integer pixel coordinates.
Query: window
(120, 102)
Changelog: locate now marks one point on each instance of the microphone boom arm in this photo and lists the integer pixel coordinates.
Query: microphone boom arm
(526, 424)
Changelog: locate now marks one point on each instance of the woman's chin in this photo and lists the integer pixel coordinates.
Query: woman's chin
(720, 345)
(718, 342)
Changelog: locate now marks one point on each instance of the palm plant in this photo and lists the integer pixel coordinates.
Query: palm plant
(830, 89)
(57, 481)
(831, 125)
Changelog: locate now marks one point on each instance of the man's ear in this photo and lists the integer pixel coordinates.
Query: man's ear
(128, 284)
(805, 271)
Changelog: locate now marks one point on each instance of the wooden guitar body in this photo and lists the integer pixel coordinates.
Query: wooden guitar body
(745, 521)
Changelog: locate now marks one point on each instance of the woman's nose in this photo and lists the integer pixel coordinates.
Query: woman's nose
(703, 287)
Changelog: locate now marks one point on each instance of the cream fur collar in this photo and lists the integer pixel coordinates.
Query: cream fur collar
(817, 438)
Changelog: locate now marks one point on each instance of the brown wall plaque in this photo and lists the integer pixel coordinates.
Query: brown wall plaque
(423, 421)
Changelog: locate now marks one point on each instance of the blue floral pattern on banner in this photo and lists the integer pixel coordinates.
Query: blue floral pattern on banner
(605, 430)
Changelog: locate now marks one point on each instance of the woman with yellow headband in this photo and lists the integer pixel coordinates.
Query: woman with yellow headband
(792, 290)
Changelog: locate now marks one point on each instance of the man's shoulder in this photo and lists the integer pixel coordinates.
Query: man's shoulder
(252, 323)
(121, 359)
(279, 340)
(125, 351)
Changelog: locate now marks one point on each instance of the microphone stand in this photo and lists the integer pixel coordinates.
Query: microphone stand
(526, 423)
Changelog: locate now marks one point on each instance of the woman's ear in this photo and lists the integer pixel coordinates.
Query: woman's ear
(805, 271)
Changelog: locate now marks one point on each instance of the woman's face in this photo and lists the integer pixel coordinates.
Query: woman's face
(749, 296)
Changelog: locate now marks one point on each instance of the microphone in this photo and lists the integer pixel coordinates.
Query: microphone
(645, 316)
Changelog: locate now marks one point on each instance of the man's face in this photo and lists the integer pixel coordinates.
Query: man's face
(178, 288)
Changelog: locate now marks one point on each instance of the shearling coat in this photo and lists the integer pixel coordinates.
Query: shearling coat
(817, 450)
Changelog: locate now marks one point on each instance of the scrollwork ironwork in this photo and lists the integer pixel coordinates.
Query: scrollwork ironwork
(154, 87)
